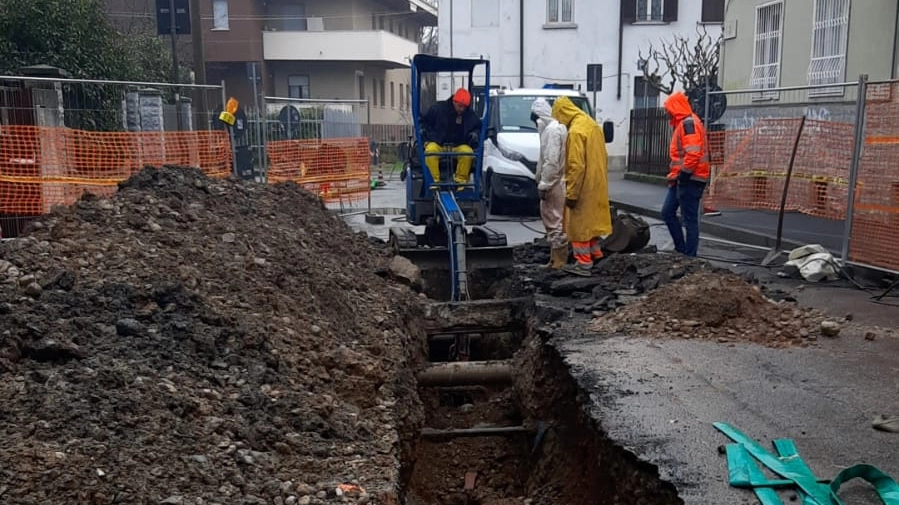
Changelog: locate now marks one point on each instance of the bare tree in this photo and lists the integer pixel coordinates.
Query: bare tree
(690, 63)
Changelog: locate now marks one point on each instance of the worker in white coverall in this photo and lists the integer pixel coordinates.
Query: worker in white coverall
(550, 186)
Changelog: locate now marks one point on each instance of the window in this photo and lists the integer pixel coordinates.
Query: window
(220, 15)
(559, 11)
(766, 54)
(645, 96)
(361, 82)
(392, 96)
(650, 10)
(712, 11)
(830, 35)
(383, 102)
(287, 17)
(298, 86)
(374, 92)
(402, 96)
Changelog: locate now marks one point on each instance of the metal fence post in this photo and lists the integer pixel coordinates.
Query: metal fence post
(705, 114)
(234, 171)
(857, 146)
(263, 118)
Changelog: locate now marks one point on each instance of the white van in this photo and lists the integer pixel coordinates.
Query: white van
(510, 152)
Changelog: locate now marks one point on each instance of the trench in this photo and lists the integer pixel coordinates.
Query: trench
(503, 422)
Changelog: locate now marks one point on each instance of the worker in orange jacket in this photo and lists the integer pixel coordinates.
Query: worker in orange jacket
(688, 174)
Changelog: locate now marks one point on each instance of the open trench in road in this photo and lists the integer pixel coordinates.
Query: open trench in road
(504, 423)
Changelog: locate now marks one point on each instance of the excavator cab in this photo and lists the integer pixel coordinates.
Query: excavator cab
(452, 213)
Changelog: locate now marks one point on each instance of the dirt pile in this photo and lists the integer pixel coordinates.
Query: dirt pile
(199, 341)
(714, 305)
(666, 294)
(616, 281)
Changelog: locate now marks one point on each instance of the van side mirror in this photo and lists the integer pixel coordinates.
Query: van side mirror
(608, 130)
(491, 133)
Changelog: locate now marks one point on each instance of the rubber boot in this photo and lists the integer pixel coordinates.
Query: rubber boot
(558, 257)
(580, 269)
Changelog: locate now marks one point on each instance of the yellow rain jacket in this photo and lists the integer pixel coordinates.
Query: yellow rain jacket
(586, 174)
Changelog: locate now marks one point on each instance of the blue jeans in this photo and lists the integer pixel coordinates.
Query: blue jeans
(685, 195)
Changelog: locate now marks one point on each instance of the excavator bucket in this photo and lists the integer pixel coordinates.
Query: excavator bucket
(486, 259)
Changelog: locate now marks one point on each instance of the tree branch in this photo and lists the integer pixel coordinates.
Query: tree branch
(680, 61)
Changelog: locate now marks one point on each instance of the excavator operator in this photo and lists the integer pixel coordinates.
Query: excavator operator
(451, 124)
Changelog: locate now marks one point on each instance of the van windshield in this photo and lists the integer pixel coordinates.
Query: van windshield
(515, 111)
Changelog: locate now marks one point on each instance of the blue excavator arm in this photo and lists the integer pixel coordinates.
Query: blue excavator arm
(454, 223)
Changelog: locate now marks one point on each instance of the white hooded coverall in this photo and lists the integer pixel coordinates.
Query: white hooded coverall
(550, 172)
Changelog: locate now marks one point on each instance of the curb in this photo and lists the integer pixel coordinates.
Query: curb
(744, 236)
(706, 226)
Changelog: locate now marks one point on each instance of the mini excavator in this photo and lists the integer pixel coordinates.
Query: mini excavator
(452, 213)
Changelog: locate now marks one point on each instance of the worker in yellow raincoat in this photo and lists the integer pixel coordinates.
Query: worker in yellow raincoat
(588, 217)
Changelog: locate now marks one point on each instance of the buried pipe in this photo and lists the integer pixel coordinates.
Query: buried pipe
(486, 431)
(465, 373)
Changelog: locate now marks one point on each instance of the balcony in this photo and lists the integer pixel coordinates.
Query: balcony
(425, 10)
(374, 46)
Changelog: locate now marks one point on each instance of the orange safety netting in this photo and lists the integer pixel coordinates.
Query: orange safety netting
(41, 167)
(750, 167)
(338, 170)
(875, 220)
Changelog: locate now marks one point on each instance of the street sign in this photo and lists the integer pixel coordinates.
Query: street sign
(594, 77)
(717, 102)
(164, 17)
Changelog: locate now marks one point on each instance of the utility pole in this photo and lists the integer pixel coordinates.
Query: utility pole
(174, 32)
(196, 37)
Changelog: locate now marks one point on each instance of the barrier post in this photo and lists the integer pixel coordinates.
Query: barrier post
(858, 141)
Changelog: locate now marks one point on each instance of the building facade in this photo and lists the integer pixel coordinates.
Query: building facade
(319, 49)
(532, 43)
(828, 41)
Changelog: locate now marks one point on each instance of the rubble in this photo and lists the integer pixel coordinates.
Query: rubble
(651, 294)
(194, 341)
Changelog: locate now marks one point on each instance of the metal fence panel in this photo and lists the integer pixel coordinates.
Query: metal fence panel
(751, 146)
(873, 239)
(650, 137)
(62, 137)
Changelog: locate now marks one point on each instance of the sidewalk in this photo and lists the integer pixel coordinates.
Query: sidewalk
(755, 227)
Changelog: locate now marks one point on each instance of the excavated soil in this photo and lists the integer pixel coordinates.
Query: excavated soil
(706, 305)
(668, 295)
(199, 341)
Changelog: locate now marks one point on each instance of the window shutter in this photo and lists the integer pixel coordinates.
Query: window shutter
(628, 11)
(670, 13)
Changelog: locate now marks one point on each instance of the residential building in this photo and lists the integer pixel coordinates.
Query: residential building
(320, 49)
(532, 43)
(828, 41)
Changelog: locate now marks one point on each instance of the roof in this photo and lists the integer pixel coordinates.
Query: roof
(428, 63)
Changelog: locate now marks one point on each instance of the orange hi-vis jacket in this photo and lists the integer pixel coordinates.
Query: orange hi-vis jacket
(689, 148)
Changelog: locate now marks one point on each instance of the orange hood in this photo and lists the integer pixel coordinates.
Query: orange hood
(678, 107)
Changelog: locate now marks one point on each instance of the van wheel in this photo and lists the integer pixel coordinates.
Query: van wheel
(494, 203)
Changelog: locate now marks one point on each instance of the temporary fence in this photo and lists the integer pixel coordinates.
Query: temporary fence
(874, 205)
(754, 145)
(319, 144)
(62, 137)
(845, 163)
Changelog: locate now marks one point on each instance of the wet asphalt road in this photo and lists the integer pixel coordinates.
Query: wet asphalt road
(658, 398)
